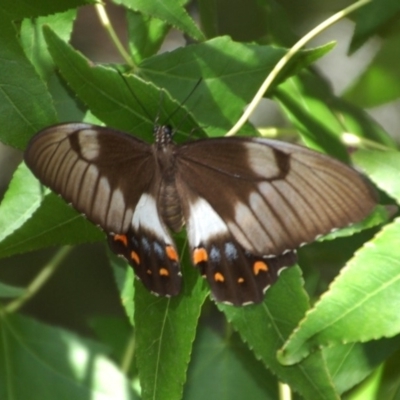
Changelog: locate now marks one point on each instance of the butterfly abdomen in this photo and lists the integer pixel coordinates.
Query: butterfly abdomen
(170, 206)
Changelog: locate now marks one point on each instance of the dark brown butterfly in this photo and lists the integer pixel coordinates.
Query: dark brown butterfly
(247, 203)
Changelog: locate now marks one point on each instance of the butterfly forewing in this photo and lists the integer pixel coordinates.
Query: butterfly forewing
(95, 169)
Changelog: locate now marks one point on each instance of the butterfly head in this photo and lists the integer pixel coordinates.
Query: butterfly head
(163, 135)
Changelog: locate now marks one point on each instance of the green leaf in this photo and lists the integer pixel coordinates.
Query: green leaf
(10, 291)
(265, 327)
(42, 362)
(361, 304)
(379, 216)
(34, 44)
(18, 9)
(124, 277)
(146, 34)
(321, 118)
(111, 100)
(349, 364)
(355, 120)
(303, 99)
(230, 72)
(165, 331)
(172, 12)
(389, 379)
(379, 84)
(220, 362)
(119, 102)
(24, 193)
(383, 168)
(52, 224)
(25, 105)
(373, 17)
(117, 334)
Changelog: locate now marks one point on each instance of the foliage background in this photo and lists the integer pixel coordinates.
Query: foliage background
(97, 360)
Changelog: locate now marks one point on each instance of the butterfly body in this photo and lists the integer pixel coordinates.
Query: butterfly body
(247, 203)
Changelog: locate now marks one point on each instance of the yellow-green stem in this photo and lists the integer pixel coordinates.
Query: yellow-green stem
(101, 11)
(285, 59)
(39, 281)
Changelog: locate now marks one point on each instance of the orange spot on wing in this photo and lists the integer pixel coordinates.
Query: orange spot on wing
(171, 253)
(164, 272)
(121, 238)
(259, 266)
(218, 277)
(149, 272)
(240, 280)
(200, 255)
(135, 257)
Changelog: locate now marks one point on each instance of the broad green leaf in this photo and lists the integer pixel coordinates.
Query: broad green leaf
(165, 330)
(110, 99)
(10, 291)
(224, 368)
(22, 199)
(383, 168)
(389, 382)
(373, 17)
(379, 84)
(355, 120)
(118, 335)
(369, 388)
(53, 224)
(172, 12)
(33, 41)
(280, 25)
(126, 103)
(38, 361)
(124, 277)
(322, 118)
(146, 35)
(25, 105)
(303, 99)
(266, 326)
(379, 216)
(361, 303)
(349, 364)
(230, 73)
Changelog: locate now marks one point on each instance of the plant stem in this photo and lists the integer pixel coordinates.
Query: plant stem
(285, 393)
(39, 280)
(101, 11)
(285, 59)
(128, 356)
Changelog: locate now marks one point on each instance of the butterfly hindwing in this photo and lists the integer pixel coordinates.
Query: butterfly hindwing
(235, 275)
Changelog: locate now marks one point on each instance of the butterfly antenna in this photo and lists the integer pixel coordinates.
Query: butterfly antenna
(184, 101)
(159, 106)
(135, 96)
(185, 117)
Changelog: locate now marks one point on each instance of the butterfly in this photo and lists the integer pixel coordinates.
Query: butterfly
(247, 203)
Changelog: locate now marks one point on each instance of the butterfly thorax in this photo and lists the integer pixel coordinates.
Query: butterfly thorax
(162, 136)
(167, 199)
